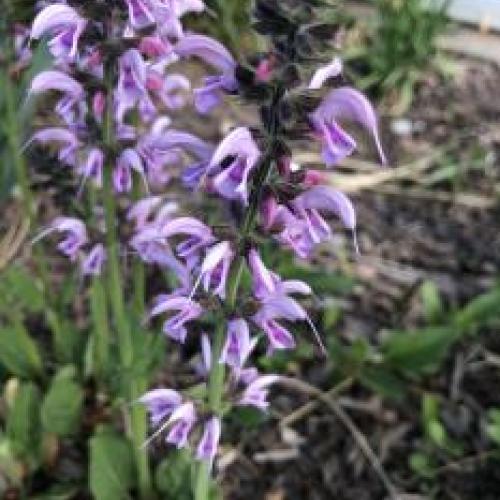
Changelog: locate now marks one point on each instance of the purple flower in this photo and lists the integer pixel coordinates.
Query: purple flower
(232, 181)
(140, 16)
(92, 168)
(216, 55)
(257, 391)
(122, 174)
(301, 225)
(182, 419)
(164, 145)
(215, 268)
(199, 235)
(184, 310)
(344, 103)
(93, 262)
(160, 404)
(74, 231)
(207, 447)
(131, 88)
(238, 345)
(66, 137)
(276, 304)
(68, 26)
(324, 198)
(141, 211)
(206, 356)
(57, 80)
(322, 74)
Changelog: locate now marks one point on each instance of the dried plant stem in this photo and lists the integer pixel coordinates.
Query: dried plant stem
(358, 436)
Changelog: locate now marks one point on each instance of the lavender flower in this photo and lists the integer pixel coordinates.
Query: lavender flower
(257, 391)
(344, 103)
(238, 345)
(207, 447)
(74, 231)
(92, 264)
(232, 180)
(160, 403)
(213, 53)
(182, 419)
(183, 309)
(63, 21)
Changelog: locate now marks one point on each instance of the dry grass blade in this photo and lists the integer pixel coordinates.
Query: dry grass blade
(12, 241)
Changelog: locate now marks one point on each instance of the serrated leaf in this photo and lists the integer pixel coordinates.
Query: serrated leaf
(111, 474)
(62, 406)
(18, 353)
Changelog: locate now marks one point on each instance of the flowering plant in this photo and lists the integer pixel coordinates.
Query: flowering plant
(117, 99)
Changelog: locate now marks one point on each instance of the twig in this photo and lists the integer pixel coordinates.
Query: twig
(309, 407)
(358, 436)
(457, 464)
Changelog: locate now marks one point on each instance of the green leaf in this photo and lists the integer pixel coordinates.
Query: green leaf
(493, 427)
(18, 289)
(422, 465)
(111, 474)
(418, 352)
(431, 301)
(62, 406)
(18, 353)
(173, 475)
(383, 381)
(23, 422)
(58, 492)
(479, 311)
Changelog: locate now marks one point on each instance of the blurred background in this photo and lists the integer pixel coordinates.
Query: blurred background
(412, 324)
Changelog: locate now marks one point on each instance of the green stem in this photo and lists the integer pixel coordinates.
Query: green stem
(102, 337)
(121, 319)
(13, 140)
(216, 379)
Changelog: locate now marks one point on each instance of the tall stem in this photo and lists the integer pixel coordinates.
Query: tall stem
(216, 379)
(121, 318)
(13, 139)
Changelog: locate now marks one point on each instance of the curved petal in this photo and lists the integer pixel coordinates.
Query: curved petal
(53, 17)
(324, 198)
(346, 103)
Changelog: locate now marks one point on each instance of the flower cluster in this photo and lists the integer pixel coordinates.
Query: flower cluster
(116, 98)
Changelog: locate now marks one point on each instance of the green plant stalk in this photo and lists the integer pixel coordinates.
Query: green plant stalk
(140, 382)
(217, 372)
(12, 132)
(102, 335)
(120, 316)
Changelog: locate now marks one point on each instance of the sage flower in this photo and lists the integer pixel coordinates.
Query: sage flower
(63, 21)
(94, 261)
(216, 55)
(344, 103)
(207, 447)
(183, 309)
(231, 181)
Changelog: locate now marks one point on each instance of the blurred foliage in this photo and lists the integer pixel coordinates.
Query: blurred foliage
(399, 49)
(403, 356)
(229, 22)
